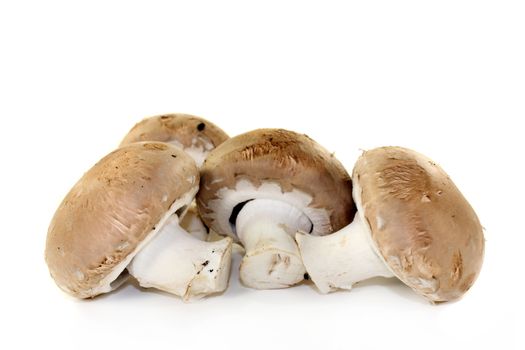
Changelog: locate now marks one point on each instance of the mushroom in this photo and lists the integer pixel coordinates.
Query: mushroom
(412, 223)
(196, 136)
(261, 188)
(124, 213)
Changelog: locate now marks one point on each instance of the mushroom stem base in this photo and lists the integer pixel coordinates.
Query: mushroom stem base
(339, 260)
(181, 264)
(266, 228)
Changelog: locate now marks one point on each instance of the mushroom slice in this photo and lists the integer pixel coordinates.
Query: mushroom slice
(412, 223)
(261, 188)
(117, 212)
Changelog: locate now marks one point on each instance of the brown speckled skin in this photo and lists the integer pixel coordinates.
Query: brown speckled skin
(111, 209)
(183, 128)
(427, 231)
(287, 158)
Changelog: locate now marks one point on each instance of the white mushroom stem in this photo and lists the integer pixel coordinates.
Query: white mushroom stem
(266, 228)
(181, 264)
(339, 260)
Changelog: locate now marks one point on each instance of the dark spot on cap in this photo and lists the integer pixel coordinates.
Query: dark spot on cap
(174, 156)
(205, 263)
(201, 126)
(211, 270)
(306, 276)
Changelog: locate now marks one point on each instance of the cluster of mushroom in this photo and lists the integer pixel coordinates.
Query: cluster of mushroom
(167, 206)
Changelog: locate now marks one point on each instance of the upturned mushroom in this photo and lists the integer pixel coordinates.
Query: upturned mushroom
(195, 135)
(261, 188)
(123, 214)
(412, 223)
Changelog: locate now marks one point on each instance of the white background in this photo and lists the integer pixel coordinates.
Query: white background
(446, 78)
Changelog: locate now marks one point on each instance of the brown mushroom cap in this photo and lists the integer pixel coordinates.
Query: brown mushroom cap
(291, 160)
(188, 130)
(423, 227)
(112, 209)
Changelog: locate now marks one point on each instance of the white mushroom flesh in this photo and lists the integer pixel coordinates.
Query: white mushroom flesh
(339, 260)
(182, 264)
(266, 228)
(220, 209)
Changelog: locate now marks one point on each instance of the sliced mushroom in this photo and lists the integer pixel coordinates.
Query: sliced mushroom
(124, 213)
(261, 188)
(412, 223)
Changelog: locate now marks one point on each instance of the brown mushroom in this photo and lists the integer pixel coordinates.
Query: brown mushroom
(412, 223)
(196, 136)
(115, 218)
(262, 187)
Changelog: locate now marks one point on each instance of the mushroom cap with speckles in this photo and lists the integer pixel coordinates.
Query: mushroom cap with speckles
(291, 160)
(112, 209)
(188, 130)
(421, 224)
